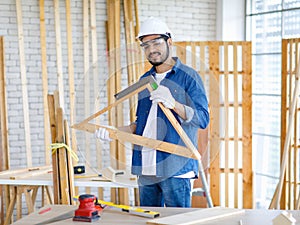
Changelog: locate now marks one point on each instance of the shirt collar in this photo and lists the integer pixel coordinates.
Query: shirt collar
(175, 68)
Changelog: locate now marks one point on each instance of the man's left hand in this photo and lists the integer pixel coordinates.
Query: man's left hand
(162, 94)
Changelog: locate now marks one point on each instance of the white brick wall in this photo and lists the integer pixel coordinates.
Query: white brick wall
(189, 21)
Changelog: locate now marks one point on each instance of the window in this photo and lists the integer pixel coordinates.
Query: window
(267, 23)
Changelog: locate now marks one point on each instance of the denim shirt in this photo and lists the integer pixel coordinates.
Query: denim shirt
(187, 88)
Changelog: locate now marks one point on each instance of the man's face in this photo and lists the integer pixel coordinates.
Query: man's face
(156, 49)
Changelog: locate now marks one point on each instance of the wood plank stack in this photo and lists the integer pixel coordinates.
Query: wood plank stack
(63, 173)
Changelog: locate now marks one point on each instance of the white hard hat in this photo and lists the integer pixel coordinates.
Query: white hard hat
(154, 26)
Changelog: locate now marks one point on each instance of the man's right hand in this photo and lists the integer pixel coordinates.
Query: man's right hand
(102, 134)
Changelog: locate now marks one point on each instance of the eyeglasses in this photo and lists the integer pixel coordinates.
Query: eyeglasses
(155, 42)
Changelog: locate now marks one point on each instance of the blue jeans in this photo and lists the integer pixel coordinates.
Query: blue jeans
(169, 192)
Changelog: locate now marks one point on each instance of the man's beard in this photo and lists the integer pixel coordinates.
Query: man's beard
(162, 61)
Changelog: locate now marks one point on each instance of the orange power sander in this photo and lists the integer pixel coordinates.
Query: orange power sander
(88, 210)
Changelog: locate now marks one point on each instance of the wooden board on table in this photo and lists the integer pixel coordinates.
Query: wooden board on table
(197, 217)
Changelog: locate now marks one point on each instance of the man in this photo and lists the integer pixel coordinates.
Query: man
(164, 179)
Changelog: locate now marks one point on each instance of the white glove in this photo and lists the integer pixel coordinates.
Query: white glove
(162, 94)
(102, 134)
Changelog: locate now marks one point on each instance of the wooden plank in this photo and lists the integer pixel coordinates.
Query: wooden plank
(69, 165)
(236, 124)
(113, 104)
(10, 208)
(62, 159)
(197, 217)
(130, 53)
(110, 4)
(121, 154)
(4, 146)
(55, 175)
(95, 67)
(215, 123)
(187, 141)
(86, 63)
(247, 126)
(60, 80)
(295, 164)
(137, 22)
(73, 143)
(44, 82)
(226, 132)
(30, 173)
(139, 140)
(24, 83)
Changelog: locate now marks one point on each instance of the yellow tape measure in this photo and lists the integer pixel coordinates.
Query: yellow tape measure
(129, 209)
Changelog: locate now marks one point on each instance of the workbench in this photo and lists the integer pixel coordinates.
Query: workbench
(111, 216)
(19, 182)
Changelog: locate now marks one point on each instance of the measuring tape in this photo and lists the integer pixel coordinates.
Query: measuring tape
(129, 209)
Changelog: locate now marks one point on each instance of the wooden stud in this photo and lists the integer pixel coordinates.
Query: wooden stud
(86, 53)
(4, 147)
(215, 121)
(24, 83)
(45, 82)
(60, 79)
(226, 125)
(236, 125)
(247, 126)
(10, 208)
(95, 68)
(73, 143)
(62, 158)
(51, 105)
(69, 165)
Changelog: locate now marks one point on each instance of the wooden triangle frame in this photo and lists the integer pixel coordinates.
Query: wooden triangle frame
(190, 151)
(149, 83)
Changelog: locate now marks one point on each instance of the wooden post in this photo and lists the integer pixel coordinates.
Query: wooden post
(60, 80)
(51, 105)
(71, 73)
(4, 147)
(24, 83)
(45, 82)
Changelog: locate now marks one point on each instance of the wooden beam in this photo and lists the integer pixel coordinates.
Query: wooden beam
(24, 84)
(55, 175)
(139, 140)
(45, 82)
(4, 142)
(3, 112)
(60, 79)
(247, 126)
(73, 139)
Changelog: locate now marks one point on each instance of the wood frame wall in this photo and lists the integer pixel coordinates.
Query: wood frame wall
(226, 70)
(290, 197)
(210, 54)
